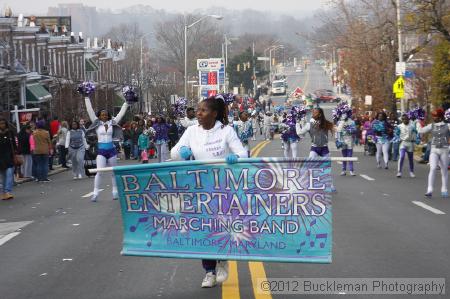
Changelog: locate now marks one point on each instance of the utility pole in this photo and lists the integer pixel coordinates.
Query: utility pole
(400, 47)
(254, 70)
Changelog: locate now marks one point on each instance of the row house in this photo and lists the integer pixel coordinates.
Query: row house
(37, 57)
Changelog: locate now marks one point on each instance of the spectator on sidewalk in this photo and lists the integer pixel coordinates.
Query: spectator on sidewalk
(61, 143)
(25, 150)
(42, 149)
(7, 148)
(161, 138)
(143, 145)
(76, 145)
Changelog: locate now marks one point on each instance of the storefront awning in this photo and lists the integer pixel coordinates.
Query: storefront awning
(91, 66)
(36, 93)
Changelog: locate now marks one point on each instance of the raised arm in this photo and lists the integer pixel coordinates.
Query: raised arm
(89, 109)
(424, 130)
(121, 113)
(302, 131)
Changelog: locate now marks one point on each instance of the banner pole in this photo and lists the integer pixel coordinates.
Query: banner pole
(332, 159)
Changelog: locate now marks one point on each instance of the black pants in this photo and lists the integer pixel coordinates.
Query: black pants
(62, 155)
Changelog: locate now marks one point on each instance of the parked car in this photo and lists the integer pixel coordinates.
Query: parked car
(299, 70)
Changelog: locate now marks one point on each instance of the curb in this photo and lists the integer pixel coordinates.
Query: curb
(53, 172)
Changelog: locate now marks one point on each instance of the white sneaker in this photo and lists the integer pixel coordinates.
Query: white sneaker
(221, 271)
(75, 177)
(411, 174)
(80, 176)
(352, 173)
(209, 281)
(343, 173)
(399, 174)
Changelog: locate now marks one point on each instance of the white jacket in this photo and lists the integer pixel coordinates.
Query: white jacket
(187, 122)
(216, 143)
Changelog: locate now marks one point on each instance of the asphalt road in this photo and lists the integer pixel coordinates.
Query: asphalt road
(55, 243)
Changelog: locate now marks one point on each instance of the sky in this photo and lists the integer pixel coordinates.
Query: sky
(285, 6)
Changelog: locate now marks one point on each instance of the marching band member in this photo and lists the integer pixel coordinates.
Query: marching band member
(407, 134)
(440, 132)
(244, 130)
(346, 130)
(107, 129)
(383, 132)
(213, 138)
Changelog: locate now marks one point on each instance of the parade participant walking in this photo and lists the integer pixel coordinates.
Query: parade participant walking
(289, 134)
(440, 132)
(318, 128)
(267, 125)
(24, 149)
(76, 145)
(8, 149)
(41, 146)
(383, 134)
(61, 143)
(161, 138)
(244, 130)
(346, 130)
(255, 124)
(211, 139)
(107, 129)
(406, 133)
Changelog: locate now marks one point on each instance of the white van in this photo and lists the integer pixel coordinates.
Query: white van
(278, 87)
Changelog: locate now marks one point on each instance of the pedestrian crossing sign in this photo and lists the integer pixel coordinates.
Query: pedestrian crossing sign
(399, 86)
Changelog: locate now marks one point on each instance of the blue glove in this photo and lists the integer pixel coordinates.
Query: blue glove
(232, 158)
(185, 152)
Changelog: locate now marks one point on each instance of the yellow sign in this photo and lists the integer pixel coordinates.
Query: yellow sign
(399, 86)
(399, 95)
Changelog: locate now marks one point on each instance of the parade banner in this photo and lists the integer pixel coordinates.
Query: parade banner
(261, 209)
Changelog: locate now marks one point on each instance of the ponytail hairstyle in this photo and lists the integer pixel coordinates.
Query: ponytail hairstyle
(218, 105)
(324, 124)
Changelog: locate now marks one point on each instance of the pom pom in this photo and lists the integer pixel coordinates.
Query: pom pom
(447, 115)
(227, 98)
(416, 113)
(180, 106)
(130, 94)
(299, 112)
(278, 109)
(341, 109)
(86, 88)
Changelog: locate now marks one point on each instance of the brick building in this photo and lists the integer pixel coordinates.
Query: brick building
(42, 61)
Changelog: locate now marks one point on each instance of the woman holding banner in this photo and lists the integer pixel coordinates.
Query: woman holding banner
(107, 129)
(213, 138)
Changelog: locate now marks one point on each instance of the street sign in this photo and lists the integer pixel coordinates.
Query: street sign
(399, 85)
(409, 74)
(209, 64)
(400, 68)
(368, 100)
(263, 58)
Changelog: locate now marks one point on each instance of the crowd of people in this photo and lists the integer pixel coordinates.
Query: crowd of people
(220, 128)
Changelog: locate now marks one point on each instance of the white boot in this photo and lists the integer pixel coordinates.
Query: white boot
(221, 271)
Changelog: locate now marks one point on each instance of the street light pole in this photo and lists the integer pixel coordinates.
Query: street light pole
(186, 27)
(400, 48)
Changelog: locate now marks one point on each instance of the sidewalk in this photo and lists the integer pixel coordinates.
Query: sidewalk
(56, 169)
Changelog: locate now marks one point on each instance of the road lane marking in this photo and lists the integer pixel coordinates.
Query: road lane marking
(367, 177)
(258, 146)
(306, 81)
(91, 193)
(257, 272)
(8, 237)
(230, 288)
(427, 207)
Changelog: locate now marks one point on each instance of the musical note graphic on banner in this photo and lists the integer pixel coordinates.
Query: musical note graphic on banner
(301, 245)
(323, 237)
(133, 228)
(308, 232)
(149, 242)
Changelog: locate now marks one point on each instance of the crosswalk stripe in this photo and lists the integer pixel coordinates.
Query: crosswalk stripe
(91, 193)
(427, 207)
(367, 177)
(9, 230)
